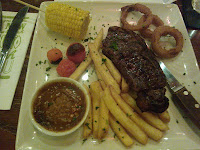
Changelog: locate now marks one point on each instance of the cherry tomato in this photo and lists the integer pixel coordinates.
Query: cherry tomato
(65, 68)
(54, 56)
(76, 52)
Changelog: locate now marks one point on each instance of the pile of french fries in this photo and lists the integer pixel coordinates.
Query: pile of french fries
(113, 105)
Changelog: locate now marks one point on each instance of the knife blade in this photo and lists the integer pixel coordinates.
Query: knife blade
(183, 95)
(12, 31)
(0, 16)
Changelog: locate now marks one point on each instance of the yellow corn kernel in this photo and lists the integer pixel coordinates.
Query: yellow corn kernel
(68, 20)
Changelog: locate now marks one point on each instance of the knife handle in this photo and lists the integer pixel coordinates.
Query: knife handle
(189, 103)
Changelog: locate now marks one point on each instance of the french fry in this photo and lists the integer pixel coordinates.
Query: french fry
(95, 89)
(103, 120)
(87, 126)
(99, 66)
(98, 39)
(113, 70)
(152, 132)
(82, 67)
(129, 100)
(120, 132)
(152, 119)
(123, 119)
(116, 74)
(164, 116)
(124, 86)
(103, 85)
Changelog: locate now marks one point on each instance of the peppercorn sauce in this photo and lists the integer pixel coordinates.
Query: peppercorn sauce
(59, 106)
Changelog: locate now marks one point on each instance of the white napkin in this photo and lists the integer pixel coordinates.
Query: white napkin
(15, 60)
(135, 1)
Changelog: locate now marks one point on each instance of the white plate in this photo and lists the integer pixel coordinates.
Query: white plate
(181, 135)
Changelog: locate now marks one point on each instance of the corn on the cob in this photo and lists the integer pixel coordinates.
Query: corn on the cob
(68, 20)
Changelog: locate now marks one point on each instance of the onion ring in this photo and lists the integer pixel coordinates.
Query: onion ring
(136, 7)
(156, 46)
(156, 21)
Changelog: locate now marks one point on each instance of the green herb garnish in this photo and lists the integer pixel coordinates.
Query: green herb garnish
(49, 104)
(102, 140)
(84, 141)
(48, 68)
(103, 60)
(114, 45)
(74, 118)
(87, 124)
(114, 135)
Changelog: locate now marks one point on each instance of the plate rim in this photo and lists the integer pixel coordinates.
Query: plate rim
(32, 45)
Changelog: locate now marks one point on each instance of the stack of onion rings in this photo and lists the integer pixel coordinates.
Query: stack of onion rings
(161, 30)
(147, 33)
(136, 7)
(156, 46)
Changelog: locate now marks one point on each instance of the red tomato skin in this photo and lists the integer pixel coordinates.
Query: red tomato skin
(54, 56)
(65, 68)
(77, 58)
(76, 52)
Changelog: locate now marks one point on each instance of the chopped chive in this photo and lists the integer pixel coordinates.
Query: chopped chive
(87, 124)
(103, 60)
(40, 62)
(114, 45)
(49, 104)
(84, 141)
(74, 118)
(48, 68)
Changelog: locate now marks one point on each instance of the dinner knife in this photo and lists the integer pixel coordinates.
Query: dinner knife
(183, 95)
(12, 31)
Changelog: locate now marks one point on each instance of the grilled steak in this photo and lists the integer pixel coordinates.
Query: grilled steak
(137, 64)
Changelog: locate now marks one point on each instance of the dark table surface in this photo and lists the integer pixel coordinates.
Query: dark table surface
(9, 119)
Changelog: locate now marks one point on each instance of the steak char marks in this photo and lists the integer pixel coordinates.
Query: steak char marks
(137, 64)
